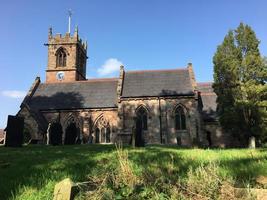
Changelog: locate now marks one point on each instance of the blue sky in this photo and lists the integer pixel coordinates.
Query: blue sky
(141, 34)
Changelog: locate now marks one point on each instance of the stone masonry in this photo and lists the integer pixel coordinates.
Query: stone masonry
(173, 110)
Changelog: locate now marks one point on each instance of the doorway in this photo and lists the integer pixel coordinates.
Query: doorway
(141, 125)
(71, 134)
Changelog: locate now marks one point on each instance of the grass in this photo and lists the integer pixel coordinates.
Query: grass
(31, 172)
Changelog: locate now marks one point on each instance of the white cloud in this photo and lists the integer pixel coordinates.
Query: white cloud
(14, 93)
(110, 66)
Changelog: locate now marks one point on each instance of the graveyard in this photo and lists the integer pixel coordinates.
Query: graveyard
(31, 172)
(133, 100)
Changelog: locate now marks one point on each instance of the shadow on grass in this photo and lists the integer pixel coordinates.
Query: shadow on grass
(173, 163)
(35, 166)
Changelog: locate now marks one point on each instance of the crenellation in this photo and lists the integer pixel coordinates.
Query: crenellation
(66, 55)
(160, 106)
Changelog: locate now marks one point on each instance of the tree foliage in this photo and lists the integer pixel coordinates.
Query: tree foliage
(240, 82)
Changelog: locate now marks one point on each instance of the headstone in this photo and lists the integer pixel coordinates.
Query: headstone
(252, 142)
(261, 194)
(230, 192)
(262, 180)
(14, 131)
(257, 194)
(65, 190)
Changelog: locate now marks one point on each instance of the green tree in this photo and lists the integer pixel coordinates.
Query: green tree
(240, 84)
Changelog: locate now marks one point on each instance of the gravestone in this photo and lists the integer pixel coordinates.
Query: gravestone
(14, 131)
(252, 142)
(65, 190)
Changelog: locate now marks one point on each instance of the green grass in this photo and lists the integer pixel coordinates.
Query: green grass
(31, 172)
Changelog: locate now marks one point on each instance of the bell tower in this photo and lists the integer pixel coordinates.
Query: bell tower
(67, 57)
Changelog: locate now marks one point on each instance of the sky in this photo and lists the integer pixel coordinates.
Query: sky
(140, 34)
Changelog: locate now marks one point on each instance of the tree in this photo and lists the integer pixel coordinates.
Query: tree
(240, 76)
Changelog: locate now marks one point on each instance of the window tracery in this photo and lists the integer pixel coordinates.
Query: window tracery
(180, 118)
(61, 58)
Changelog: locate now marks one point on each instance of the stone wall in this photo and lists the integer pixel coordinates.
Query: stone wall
(86, 121)
(121, 120)
(75, 50)
(30, 124)
(161, 121)
(219, 137)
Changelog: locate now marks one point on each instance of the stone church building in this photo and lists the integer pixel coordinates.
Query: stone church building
(158, 106)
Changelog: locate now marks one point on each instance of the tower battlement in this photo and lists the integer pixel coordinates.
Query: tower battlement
(67, 56)
(58, 38)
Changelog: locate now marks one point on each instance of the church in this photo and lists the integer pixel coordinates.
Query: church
(149, 106)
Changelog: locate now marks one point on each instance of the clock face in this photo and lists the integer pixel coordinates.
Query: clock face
(60, 76)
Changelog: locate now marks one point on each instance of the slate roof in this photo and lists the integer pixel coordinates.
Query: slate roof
(95, 93)
(208, 98)
(153, 83)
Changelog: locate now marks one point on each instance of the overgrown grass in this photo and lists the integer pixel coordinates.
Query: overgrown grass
(31, 172)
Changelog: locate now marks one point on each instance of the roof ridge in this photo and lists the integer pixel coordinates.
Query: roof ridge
(85, 81)
(156, 70)
(101, 79)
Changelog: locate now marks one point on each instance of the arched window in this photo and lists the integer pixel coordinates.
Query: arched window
(102, 135)
(142, 117)
(55, 133)
(209, 138)
(180, 120)
(102, 130)
(71, 134)
(108, 135)
(61, 57)
(97, 135)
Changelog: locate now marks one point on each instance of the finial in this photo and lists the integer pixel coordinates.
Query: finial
(85, 44)
(76, 32)
(76, 29)
(189, 64)
(50, 32)
(69, 13)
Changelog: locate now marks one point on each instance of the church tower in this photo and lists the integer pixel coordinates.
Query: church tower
(66, 58)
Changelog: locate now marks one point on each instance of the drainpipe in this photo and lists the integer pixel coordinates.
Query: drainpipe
(160, 125)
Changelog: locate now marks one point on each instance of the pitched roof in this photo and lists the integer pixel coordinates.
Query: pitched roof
(95, 93)
(157, 83)
(208, 98)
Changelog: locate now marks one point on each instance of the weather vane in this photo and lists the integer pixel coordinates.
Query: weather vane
(69, 13)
